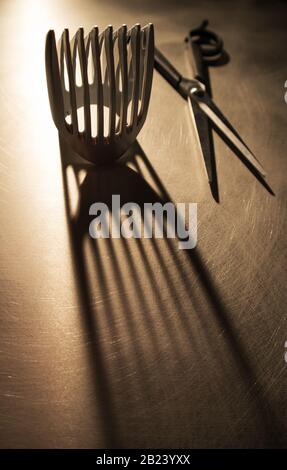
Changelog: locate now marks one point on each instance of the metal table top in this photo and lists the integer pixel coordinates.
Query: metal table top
(135, 343)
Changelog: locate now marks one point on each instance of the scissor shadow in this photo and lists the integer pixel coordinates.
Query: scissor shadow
(99, 184)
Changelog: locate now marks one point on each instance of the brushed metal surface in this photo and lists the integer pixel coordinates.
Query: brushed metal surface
(129, 343)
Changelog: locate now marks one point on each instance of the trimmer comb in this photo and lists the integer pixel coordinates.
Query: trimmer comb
(99, 88)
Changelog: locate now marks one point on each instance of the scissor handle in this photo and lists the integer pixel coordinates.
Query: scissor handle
(211, 45)
(166, 69)
(205, 47)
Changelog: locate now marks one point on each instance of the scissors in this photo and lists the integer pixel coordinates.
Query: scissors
(206, 48)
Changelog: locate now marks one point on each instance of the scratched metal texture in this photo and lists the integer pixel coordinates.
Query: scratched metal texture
(136, 343)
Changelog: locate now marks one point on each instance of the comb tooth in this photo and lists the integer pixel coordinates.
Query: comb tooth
(84, 73)
(96, 53)
(148, 70)
(122, 44)
(109, 49)
(73, 48)
(72, 90)
(60, 50)
(54, 81)
(135, 46)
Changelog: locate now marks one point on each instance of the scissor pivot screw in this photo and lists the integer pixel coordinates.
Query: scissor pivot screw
(195, 90)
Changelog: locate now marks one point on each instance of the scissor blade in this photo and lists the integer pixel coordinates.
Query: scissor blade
(201, 124)
(206, 105)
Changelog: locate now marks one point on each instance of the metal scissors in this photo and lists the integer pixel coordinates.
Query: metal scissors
(205, 47)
